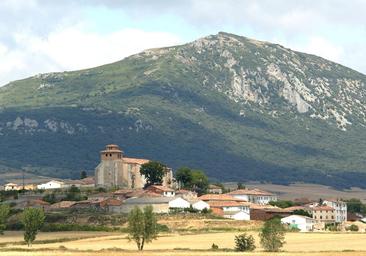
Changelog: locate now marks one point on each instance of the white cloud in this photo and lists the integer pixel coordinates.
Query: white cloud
(73, 48)
(324, 48)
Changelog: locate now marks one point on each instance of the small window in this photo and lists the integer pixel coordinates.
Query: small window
(106, 154)
(110, 154)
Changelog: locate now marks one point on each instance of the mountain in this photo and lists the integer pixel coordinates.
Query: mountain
(238, 108)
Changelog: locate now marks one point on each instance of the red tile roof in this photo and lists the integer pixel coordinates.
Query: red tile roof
(295, 208)
(250, 192)
(322, 208)
(220, 204)
(161, 188)
(135, 160)
(219, 197)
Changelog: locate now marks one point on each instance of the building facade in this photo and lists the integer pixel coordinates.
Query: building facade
(340, 209)
(118, 171)
(323, 214)
(256, 196)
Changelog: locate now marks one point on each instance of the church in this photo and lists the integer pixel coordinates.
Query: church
(117, 171)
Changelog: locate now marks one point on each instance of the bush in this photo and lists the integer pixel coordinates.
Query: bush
(353, 227)
(244, 243)
(214, 247)
(162, 228)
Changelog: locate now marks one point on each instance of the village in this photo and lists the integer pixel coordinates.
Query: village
(118, 187)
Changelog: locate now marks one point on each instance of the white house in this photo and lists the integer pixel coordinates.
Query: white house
(53, 184)
(240, 215)
(200, 205)
(11, 186)
(179, 203)
(231, 209)
(303, 223)
(256, 196)
(164, 191)
(340, 208)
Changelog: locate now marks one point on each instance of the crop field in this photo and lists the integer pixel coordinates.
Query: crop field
(97, 243)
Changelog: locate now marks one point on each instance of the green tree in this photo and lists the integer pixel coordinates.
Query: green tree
(240, 185)
(244, 242)
(74, 194)
(83, 175)
(355, 206)
(199, 181)
(142, 226)
(50, 198)
(272, 235)
(4, 213)
(153, 172)
(282, 203)
(184, 176)
(32, 219)
(302, 212)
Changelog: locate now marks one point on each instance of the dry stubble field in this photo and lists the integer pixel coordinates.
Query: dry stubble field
(104, 244)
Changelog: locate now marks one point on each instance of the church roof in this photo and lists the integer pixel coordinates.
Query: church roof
(130, 160)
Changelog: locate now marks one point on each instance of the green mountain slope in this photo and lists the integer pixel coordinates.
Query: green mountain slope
(238, 108)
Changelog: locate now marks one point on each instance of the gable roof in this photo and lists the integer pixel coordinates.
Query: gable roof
(63, 204)
(256, 192)
(149, 200)
(220, 204)
(219, 197)
(130, 160)
(322, 208)
(161, 188)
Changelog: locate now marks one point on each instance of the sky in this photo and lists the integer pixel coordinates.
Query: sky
(39, 36)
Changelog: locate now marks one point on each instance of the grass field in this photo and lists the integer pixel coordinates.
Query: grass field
(97, 243)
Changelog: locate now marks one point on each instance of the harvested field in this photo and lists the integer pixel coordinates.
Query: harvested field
(324, 244)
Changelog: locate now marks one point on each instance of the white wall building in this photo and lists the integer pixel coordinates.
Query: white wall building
(239, 215)
(340, 208)
(303, 223)
(179, 203)
(256, 196)
(200, 205)
(53, 184)
(11, 186)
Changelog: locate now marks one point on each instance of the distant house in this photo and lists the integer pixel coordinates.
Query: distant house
(186, 194)
(62, 205)
(53, 184)
(164, 191)
(266, 212)
(159, 204)
(323, 214)
(214, 189)
(199, 205)
(256, 196)
(303, 223)
(231, 209)
(219, 197)
(179, 203)
(340, 209)
(30, 186)
(12, 186)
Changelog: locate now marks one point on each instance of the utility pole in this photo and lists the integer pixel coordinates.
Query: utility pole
(23, 180)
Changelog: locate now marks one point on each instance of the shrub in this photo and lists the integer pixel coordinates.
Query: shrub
(214, 247)
(244, 243)
(353, 227)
